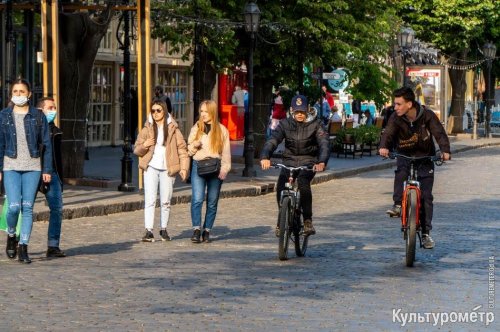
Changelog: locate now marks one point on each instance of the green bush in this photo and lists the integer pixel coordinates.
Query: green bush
(361, 135)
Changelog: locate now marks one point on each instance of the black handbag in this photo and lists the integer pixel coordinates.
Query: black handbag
(209, 167)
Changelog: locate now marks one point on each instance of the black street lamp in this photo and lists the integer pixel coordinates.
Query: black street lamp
(126, 184)
(489, 51)
(252, 16)
(405, 42)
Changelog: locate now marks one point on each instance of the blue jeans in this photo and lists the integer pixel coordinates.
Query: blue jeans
(54, 199)
(213, 185)
(21, 188)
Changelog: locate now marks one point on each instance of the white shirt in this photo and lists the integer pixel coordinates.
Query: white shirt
(159, 161)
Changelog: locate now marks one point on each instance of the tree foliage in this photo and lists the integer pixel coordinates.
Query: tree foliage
(459, 28)
(351, 34)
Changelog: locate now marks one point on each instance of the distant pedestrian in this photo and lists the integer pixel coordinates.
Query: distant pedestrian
(54, 193)
(163, 97)
(386, 113)
(366, 119)
(328, 96)
(208, 139)
(163, 154)
(23, 132)
(278, 110)
(323, 109)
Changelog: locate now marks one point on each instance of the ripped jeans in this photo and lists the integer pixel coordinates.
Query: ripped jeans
(152, 178)
(21, 188)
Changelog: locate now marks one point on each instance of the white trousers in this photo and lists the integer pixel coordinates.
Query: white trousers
(152, 178)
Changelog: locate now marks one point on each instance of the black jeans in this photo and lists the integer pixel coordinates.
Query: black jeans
(425, 175)
(304, 183)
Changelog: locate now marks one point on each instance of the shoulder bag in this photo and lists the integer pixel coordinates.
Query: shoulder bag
(209, 167)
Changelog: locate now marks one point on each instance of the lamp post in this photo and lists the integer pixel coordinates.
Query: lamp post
(252, 16)
(489, 51)
(126, 184)
(405, 42)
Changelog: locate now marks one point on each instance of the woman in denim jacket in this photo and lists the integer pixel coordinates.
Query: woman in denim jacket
(23, 130)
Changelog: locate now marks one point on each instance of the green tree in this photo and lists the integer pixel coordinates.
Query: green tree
(351, 34)
(80, 34)
(458, 28)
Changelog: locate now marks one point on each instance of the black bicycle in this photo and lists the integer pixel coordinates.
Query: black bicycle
(290, 221)
(410, 207)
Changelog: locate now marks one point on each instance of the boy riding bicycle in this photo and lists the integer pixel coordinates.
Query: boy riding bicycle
(412, 129)
(306, 143)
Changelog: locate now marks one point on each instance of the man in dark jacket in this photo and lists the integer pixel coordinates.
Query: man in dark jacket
(54, 192)
(412, 129)
(306, 143)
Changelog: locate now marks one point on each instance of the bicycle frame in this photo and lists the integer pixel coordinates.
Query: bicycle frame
(289, 218)
(410, 184)
(291, 190)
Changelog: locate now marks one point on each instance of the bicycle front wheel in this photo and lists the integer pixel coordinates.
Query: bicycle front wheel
(411, 224)
(300, 238)
(284, 224)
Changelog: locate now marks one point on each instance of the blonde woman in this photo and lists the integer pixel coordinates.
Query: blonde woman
(163, 154)
(208, 139)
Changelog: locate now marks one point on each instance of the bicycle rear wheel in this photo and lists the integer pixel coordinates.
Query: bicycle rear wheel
(411, 224)
(300, 238)
(284, 222)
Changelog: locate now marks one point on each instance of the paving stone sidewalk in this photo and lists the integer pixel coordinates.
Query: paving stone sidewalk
(104, 163)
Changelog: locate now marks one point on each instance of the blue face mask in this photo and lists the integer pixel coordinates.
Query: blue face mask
(51, 115)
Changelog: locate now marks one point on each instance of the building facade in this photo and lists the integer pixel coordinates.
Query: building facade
(21, 56)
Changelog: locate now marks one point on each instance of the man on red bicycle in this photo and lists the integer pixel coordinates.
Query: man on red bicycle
(306, 143)
(411, 129)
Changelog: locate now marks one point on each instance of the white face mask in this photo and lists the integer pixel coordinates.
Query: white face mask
(19, 100)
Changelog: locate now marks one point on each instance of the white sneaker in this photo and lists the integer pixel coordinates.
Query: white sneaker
(427, 241)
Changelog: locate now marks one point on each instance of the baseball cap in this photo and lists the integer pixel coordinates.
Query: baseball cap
(299, 103)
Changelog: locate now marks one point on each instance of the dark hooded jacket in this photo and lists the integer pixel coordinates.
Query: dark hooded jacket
(415, 138)
(305, 143)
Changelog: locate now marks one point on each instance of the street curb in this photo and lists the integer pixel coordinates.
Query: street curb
(248, 188)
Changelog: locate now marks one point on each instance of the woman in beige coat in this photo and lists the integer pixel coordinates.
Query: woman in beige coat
(160, 159)
(208, 139)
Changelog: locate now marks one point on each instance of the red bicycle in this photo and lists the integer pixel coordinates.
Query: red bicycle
(410, 206)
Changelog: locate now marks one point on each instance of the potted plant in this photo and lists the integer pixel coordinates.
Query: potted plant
(371, 135)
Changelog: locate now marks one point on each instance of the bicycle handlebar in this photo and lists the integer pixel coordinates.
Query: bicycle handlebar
(438, 160)
(291, 169)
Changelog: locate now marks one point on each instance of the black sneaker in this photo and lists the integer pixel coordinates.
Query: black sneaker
(11, 248)
(148, 237)
(164, 235)
(53, 252)
(205, 236)
(196, 236)
(395, 211)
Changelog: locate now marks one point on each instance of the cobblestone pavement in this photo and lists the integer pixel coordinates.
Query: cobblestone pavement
(352, 278)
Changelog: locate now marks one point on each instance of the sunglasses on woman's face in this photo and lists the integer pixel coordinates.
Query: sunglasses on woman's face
(156, 110)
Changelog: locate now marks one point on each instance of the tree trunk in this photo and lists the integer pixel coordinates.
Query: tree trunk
(263, 94)
(79, 41)
(208, 75)
(458, 89)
